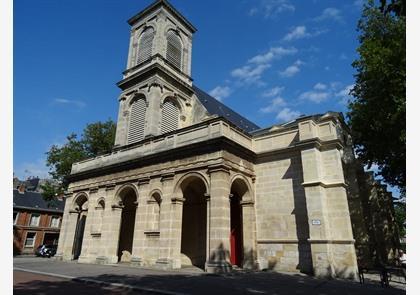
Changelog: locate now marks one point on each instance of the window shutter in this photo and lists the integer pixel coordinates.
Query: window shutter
(145, 45)
(174, 49)
(137, 118)
(170, 117)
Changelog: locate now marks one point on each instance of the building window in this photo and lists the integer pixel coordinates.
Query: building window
(137, 119)
(30, 239)
(145, 45)
(34, 220)
(15, 217)
(170, 117)
(174, 49)
(154, 212)
(55, 221)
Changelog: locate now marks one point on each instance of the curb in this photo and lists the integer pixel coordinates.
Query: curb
(101, 283)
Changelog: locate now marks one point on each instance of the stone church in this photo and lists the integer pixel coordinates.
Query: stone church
(190, 182)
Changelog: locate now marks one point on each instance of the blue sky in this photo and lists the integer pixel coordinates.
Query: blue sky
(270, 60)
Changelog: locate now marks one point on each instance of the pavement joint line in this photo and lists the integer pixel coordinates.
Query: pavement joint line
(99, 282)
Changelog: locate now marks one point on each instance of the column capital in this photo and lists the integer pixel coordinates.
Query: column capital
(218, 167)
(143, 181)
(110, 186)
(177, 200)
(167, 176)
(93, 190)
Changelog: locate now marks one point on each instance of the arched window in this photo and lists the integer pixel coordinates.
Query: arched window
(174, 49)
(154, 212)
(136, 122)
(170, 117)
(145, 45)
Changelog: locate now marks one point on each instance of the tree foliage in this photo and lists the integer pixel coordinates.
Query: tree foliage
(377, 113)
(96, 139)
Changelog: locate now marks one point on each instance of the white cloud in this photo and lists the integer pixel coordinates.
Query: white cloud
(37, 168)
(359, 3)
(292, 70)
(330, 13)
(319, 93)
(220, 92)
(314, 96)
(63, 101)
(274, 52)
(301, 32)
(271, 8)
(296, 33)
(322, 92)
(274, 105)
(249, 74)
(273, 91)
(287, 114)
(344, 94)
(320, 86)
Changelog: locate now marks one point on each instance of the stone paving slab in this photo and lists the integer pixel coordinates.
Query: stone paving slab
(195, 282)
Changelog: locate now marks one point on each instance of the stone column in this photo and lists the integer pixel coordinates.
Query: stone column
(67, 231)
(85, 256)
(219, 236)
(317, 213)
(332, 244)
(248, 234)
(110, 227)
(175, 235)
(153, 111)
(139, 239)
(167, 227)
(122, 123)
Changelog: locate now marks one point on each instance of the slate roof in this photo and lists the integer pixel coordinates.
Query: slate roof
(215, 107)
(34, 200)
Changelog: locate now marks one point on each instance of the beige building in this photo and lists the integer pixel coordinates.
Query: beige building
(191, 182)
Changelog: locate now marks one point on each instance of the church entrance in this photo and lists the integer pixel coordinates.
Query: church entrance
(236, 236)
(81, 208)
(194, 223)
(128, 218)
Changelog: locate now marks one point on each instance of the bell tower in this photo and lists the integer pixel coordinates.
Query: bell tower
(157, 93)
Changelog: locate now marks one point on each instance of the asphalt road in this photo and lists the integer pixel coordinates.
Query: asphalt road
(29, 283)
(142, 280)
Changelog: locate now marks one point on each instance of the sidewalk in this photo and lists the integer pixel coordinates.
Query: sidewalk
(191, 281)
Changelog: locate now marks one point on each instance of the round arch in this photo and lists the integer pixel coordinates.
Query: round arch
(242, 186)
(187, 179)
(80, 201)
(122, 191)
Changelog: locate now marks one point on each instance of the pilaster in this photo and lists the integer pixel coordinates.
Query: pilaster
(219, 231)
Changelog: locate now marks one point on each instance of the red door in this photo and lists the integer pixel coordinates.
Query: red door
(235, 232)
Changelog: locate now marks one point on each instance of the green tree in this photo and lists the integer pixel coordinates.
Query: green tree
(377, 112)
(96, 139)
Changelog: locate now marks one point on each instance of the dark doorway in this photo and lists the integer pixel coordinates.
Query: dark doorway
(128, 218)
(50, 239)
(236, 240)
(194, 222)
(81, 208)
(78, 237)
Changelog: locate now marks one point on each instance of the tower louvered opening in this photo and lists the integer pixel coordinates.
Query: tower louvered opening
(174, 49)
(170, 117)
(137, 119)
(145, 45)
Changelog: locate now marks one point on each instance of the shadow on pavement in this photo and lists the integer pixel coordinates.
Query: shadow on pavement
(236, 283)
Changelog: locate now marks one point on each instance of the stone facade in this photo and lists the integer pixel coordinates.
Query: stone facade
(210, 192)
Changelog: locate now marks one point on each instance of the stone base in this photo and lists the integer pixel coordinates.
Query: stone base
(85, 259)
(58, 257)
(101, 260)
(218, 267)
(136, 261)
(164, 263)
